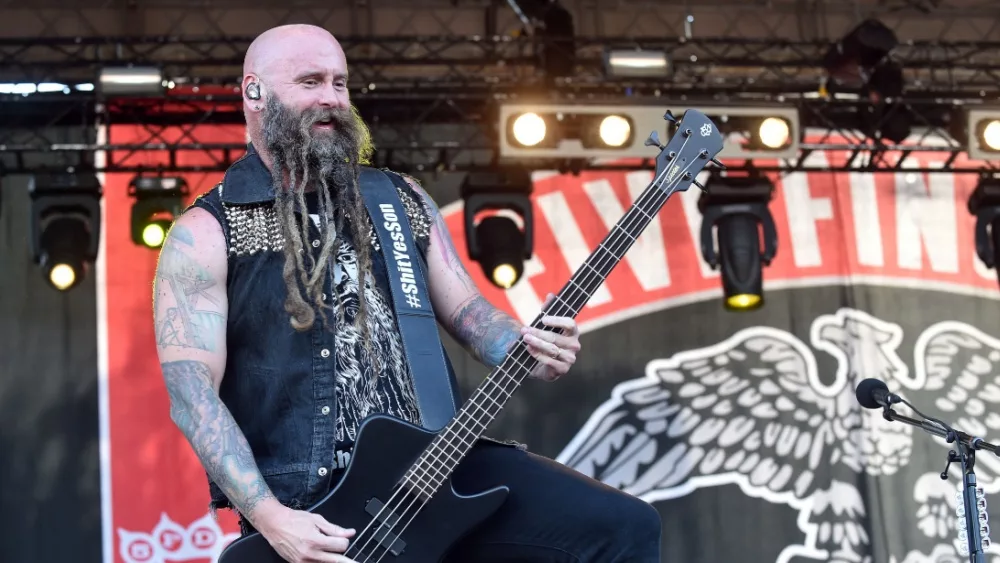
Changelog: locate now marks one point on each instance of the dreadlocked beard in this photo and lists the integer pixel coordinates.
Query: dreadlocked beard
(330, 163)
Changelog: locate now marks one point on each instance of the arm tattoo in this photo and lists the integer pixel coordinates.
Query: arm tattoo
(185, 325)
(213, 434)
(487, 332)
(483, 330)
(441, 239)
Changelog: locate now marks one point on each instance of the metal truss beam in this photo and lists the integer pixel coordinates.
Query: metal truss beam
(452, 134)
(504, 65)
(426, 160)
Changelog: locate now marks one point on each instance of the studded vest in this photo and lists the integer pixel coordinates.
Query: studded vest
(297, 396)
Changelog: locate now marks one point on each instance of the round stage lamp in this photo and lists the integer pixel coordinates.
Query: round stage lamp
(63, 276)
(529, 129)
(615, 130)
(64, 245)
(991, 135)
(505, 275)
(155, 232)
(502, 245)
(743, 301)
(773, 132)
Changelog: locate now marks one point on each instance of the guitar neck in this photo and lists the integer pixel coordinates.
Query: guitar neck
(436, 464)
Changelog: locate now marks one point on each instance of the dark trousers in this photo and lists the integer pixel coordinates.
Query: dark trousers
(552, 514)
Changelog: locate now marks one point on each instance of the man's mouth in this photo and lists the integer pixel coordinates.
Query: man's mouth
(324, 123)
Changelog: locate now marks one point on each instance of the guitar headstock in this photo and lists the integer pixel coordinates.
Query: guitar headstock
(693, 146)
(981, 519)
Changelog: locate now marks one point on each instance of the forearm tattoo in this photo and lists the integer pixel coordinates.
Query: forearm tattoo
(213, 434)
(487, 332)
(483, 330)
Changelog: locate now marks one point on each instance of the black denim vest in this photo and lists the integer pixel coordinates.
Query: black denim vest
(279, 384)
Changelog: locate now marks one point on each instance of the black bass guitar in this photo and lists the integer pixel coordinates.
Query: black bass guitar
(396, 492)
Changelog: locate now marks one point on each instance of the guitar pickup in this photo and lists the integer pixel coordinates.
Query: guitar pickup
(385, 522)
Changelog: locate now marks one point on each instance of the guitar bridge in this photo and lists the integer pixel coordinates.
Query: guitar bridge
(385, 521)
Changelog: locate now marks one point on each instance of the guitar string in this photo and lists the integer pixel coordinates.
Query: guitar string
(572, 295)
(615, 259)
(427, 473)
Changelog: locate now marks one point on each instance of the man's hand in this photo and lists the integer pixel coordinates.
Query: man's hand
(304, 537)
(556, 352)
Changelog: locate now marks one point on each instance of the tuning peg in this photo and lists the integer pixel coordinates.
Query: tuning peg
(697, 183)
(653, 140)
(716, 162)
(670, 117)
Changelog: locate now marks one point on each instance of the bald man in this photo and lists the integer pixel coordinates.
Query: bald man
(277, 335)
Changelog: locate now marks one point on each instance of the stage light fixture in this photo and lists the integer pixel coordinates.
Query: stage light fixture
(496, 241)
(65, 226)
(591, 131)
(773, 132)
(637, 63)
(853, 60)
(615, 130)
(982, 133)
(529, 129)
(131, 81)
(984, 204)
(158, 202)
(737, 208)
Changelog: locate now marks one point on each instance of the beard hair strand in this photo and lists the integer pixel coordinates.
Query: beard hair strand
(333, 162)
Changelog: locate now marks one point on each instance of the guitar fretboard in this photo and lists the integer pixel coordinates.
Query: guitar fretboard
(451, 445)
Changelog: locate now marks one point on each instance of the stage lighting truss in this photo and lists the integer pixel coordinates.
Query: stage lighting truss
(158, 202)
(608, 131)
(734, 216)
(499, 224)
(65, 226)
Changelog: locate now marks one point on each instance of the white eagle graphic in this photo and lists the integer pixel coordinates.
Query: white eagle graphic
(754, 411)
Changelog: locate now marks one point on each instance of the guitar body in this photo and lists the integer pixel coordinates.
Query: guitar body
(385, 449)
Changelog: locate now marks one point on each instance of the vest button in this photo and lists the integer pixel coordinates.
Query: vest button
(325, 410)
(316, 244)
(325, 353)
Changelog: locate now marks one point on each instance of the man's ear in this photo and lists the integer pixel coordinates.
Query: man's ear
(253, 91)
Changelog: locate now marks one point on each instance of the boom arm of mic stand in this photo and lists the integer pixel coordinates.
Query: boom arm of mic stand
(967, 446)
(966, 440)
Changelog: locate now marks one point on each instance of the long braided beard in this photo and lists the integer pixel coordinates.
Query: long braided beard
(329, 161)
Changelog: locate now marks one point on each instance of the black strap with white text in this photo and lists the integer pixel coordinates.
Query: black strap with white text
(411, 300)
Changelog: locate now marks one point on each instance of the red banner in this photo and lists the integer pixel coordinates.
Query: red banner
(906, 229)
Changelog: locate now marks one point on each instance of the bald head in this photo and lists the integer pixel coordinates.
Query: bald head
(289, 44)
(300, 67)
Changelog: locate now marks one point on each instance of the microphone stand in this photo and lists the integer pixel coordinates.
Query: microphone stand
(966, 455)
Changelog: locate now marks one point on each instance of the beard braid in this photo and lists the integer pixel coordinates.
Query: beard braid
(331, 162)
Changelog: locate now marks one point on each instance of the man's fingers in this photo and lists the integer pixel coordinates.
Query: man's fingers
(548, 300)
(331, 529)
(554, 338)
(544, 354)
(565, 323)
(332, 544)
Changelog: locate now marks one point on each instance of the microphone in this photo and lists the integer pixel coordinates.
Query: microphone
(874, 394)
(974, 539)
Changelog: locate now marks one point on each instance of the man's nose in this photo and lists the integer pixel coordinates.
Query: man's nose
(333, 97)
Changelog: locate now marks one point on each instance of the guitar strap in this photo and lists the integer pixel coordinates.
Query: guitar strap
(433, 385)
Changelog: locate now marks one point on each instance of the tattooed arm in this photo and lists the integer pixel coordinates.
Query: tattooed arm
(485, 331)
(190, 307)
